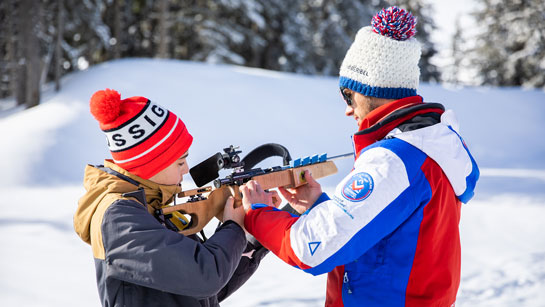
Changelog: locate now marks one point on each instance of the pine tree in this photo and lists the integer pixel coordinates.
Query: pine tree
(451, 74)
(510, 46)
(334, 24)
(7, 49)
(303, 36)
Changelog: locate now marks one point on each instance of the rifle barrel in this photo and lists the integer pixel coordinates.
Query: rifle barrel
(343, 156)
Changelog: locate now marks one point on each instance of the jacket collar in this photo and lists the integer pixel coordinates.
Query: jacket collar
(157, 195)
(379, 122)
(99, 183)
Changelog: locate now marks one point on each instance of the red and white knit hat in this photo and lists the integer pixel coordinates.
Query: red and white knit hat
(143, 137)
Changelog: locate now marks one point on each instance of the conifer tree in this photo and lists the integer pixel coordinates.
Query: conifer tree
(510, 44)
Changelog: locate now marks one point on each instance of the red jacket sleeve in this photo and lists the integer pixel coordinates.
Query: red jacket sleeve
(273, 231)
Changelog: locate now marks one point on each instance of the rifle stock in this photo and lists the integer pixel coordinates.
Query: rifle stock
(202, 211)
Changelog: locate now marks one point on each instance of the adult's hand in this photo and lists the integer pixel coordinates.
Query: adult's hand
(252, 193)
(303, 197)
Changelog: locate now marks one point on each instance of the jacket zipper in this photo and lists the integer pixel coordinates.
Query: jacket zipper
(345, 281)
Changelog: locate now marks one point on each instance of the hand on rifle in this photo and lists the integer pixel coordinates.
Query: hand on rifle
(252, 193)
(231, 213)
(304, 196)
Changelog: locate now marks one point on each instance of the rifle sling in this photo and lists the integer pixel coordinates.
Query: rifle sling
(265, 151)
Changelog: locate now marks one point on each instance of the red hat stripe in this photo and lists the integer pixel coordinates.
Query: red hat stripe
(151, 148)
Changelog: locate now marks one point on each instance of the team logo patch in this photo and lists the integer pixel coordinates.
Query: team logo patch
(359, 187)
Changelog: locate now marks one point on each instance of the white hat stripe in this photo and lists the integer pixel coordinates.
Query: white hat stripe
(139, 129)
(153, 147)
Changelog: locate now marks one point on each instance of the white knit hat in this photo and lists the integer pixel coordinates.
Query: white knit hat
(383, 60)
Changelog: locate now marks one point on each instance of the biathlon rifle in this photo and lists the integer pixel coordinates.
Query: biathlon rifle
(204, 203)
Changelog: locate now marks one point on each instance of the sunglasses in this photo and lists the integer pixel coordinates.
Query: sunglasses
(347, 97)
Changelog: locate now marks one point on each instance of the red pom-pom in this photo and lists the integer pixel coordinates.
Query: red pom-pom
(106, 105)
(395, 23)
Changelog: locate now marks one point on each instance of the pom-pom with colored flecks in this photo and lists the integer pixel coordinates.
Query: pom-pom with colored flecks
(394, 22)
(106, 105)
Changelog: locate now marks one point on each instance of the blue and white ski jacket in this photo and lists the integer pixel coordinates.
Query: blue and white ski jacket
(389, 234)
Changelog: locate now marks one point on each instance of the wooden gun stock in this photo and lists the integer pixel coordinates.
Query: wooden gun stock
(202, 211)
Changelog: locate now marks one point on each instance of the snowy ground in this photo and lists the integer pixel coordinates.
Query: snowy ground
(44, 150)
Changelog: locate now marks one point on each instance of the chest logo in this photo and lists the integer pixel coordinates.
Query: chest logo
(358, 187)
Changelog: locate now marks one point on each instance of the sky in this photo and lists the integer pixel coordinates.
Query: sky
(45, 149)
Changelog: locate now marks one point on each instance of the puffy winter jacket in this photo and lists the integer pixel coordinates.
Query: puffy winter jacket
(139, 262)
(389, 235)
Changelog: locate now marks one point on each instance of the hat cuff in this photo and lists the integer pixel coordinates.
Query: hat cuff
(375, 91)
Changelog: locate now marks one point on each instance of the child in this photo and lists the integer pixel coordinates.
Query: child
(138, 260)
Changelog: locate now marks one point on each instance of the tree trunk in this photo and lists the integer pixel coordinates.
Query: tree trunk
(31, 70)
(117, 28)
(20, 81)
(12, 59)
(58, 41)
(8, 61)
(34, 61)
(162, 50)
(19, 64)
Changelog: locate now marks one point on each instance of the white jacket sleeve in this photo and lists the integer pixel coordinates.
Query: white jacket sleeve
(368, 204)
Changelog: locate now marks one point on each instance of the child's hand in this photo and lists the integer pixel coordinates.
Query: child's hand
(232, 213)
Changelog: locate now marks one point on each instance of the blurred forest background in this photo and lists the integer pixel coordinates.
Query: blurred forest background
(42, 40)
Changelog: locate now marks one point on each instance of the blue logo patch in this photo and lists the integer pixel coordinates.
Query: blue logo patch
(359, 187)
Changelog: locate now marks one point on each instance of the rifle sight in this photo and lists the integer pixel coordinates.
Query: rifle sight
(208, 170)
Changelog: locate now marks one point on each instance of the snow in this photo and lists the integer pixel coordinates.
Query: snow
(45, 149)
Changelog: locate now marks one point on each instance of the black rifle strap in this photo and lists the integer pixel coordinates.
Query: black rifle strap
(117, 174)
(139, 194)
(265, 151)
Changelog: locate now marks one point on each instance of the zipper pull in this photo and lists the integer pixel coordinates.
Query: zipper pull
(345, 281)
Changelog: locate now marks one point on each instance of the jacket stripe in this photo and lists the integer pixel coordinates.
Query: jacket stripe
(390, 260)
(435, 277)
(334, 287)
(471, 179)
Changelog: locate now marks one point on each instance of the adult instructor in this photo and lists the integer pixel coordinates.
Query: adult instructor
(389, 234)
